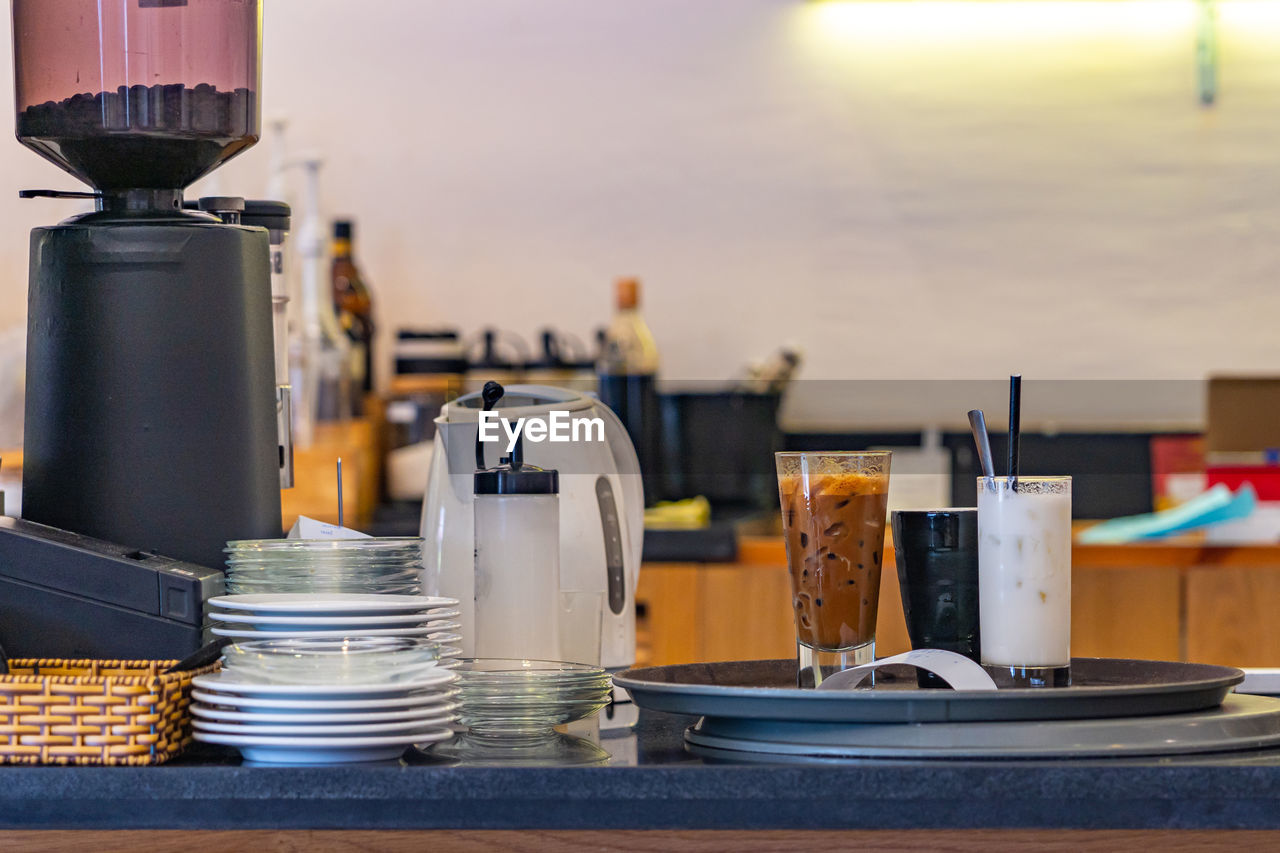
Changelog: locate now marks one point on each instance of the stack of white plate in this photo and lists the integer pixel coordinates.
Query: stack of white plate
(284, 615)
(326, 700)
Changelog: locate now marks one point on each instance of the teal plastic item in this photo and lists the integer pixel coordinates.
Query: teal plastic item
(1215, 506)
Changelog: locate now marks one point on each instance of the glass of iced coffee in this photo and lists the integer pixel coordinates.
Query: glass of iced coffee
(833, 516)
(1024, 579)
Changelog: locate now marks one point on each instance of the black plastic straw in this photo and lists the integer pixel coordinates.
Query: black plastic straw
(1015, 427)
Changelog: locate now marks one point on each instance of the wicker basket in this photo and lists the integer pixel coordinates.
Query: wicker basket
(94, 711)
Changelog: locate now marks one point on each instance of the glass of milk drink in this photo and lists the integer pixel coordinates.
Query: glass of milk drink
(1024, 578)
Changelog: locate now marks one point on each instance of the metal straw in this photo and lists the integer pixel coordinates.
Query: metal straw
(1015, 428)
(978, 424)
(339, 491)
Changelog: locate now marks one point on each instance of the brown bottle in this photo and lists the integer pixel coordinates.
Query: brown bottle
(353, 304)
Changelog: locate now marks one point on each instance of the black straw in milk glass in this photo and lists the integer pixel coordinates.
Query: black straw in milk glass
(1015, 427)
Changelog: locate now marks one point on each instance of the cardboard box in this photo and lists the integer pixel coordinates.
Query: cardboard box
(1243, 415)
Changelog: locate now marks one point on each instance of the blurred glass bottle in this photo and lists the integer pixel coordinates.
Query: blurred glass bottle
(354, 306)
(627, 371)
(319, 351)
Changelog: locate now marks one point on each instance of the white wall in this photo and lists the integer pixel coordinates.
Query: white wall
(906, 189)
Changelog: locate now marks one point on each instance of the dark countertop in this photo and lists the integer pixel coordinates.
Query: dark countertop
(666, 789)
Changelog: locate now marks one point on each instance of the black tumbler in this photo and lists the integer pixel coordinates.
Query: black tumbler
(937, 556)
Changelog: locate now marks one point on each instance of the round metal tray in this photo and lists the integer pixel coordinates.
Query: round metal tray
(765, 690)
(1241, 722)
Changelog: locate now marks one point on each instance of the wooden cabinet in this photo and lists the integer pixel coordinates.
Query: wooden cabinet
(695, 612)
(1171, 601)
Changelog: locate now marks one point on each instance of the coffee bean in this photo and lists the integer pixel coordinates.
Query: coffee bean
(161, 137)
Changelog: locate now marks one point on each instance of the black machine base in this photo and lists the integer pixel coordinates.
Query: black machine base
(63, 595)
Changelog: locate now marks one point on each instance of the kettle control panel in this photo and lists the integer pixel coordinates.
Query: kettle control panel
(612, 526)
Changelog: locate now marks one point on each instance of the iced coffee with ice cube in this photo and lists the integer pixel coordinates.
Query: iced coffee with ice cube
(1024, 578)
(833, 518)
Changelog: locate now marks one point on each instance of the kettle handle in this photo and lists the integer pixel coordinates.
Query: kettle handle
(627, 464)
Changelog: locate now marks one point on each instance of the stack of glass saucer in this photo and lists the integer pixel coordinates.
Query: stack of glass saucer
(511, 709)
(522, 700)
(338, 615)
(379, 565)
(326, 700)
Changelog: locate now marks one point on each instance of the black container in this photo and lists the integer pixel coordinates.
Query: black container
(720, 445)
(150, 409)
(936, 551)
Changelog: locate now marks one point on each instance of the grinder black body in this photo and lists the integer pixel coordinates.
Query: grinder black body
(150, 403)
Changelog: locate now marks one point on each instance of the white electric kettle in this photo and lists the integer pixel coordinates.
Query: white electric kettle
(601, 505)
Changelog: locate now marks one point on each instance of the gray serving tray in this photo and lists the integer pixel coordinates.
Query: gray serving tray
(1239, 723)
(765, 690)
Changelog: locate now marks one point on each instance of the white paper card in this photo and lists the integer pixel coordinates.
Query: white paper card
(957, 670)
(309, 528)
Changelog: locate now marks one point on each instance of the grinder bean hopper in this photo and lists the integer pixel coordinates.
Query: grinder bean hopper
(151, 393)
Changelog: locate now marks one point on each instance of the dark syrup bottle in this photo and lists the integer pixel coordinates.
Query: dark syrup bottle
(627, 370)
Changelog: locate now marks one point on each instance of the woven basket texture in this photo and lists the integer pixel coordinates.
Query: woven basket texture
(94, 711)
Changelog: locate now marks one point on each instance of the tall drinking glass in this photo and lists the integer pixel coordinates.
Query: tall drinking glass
(1024, 578)
(833, 515)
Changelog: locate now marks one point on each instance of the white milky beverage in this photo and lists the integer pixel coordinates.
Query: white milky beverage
(1024, 572)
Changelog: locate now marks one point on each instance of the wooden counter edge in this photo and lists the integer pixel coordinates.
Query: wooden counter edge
(819, 841)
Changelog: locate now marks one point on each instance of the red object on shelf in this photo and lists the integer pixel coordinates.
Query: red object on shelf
(1174, 455)
(1264, 478)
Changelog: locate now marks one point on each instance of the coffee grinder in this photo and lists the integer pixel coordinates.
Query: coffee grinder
(151, 401)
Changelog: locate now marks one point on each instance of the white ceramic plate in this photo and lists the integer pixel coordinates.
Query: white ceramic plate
(319, 706)
(220, 683)
(307, 729)
(331, 604)
(266, 718)
(324, 750)
(253, 634)
(376, 621)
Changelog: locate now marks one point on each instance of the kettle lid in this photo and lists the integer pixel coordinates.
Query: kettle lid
(518, 400)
